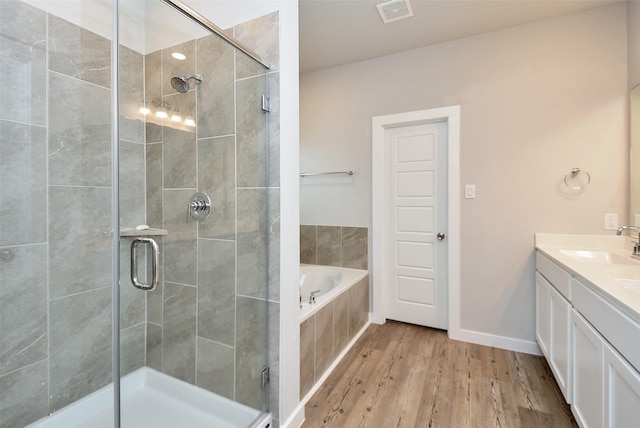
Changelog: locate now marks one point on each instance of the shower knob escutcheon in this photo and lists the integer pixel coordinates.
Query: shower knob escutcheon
(199, 206)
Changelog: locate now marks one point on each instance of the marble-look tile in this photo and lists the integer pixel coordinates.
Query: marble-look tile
(252, 243)
(341, 333)
(216, 290)
(80, 345)
(180, 252)
(262, 36)
(358, 305)
(251, 350)
(179, 159)
(324, 351)
(308, 244)
(23, 306)
(174, 67)
(79, 132)
(273, 236)
(132, 184)
(23, 34)
(217, 178)
(307, 355)
(215, 367)
(216, 92)
(183, 105)
(132, 348)
(131, 81)
(79, 239)
(23, 396)
(273, 127)
(153, 92)
(355, 250)
(179, 332)
(274, 359)
(329, 245)
(79, 53)
(154, 184)
(251, 133)
(155, 297)
(24, 183)
(132, 300)
(154, 346)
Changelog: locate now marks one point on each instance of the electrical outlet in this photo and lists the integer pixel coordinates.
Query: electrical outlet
(611, 221)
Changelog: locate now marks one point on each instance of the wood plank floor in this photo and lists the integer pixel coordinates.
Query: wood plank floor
(402, 375)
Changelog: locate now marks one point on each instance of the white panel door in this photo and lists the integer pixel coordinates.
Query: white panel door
(415, 188)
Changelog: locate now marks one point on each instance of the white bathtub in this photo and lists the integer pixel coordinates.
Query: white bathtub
(328, 282)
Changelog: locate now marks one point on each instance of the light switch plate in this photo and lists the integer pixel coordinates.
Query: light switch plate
(469, 191)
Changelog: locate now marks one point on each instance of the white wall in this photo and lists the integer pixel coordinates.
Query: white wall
(633, 23)
(536, 101)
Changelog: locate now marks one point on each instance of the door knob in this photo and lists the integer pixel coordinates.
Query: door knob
(440, 236)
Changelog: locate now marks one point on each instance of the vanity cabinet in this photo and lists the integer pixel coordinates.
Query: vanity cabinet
(593, 349)
(553, 318)
(588, 370)
(622, 383)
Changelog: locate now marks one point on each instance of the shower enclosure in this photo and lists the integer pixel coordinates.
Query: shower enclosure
(111, 176)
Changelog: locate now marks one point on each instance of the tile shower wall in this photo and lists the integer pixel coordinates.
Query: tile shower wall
(206, 322)
(334, 246)
(55, 285)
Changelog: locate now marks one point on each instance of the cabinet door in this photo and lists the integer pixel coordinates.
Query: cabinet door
(543, 314)
(588, 373)
(622, 400)
(560, 349)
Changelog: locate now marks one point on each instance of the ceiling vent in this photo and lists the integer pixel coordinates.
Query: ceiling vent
(394, 10)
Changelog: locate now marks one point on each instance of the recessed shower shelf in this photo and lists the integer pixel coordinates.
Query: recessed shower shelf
(143, 232)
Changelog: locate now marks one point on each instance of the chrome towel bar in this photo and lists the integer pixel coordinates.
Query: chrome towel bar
(309, 174)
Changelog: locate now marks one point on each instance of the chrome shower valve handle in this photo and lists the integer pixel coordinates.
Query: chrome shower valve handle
(199, 206)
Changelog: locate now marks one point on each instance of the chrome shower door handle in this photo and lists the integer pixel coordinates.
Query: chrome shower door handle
(155, 262)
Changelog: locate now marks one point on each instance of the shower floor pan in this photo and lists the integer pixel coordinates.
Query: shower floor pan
(151, 399)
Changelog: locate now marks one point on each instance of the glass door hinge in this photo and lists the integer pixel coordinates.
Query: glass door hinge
(265, 377)
(266, 104)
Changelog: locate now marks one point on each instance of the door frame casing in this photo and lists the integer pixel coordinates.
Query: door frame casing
(450, 115)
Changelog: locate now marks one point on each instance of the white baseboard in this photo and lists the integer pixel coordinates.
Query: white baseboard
(502, 342)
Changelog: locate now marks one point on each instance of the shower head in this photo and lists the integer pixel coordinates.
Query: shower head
(181, 83)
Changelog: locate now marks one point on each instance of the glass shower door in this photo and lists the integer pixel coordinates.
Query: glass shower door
(193, 180)
(55, 206)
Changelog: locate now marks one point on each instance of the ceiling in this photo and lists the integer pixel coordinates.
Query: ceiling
(336, 32)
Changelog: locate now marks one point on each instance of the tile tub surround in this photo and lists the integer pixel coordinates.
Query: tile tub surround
(327, 333)
(334, 246)
(57, 150)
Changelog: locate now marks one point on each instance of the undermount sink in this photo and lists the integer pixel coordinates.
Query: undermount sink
(597, 256)
(631, 284)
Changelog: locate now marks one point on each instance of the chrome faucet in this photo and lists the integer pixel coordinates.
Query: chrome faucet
(312, 297)
(636, 245)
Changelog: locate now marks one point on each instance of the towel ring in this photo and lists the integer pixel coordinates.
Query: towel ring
(572, 175)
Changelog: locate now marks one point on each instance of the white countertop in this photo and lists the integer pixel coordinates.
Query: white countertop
(603, 276)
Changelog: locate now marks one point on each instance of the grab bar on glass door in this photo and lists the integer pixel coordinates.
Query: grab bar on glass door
(155, 261)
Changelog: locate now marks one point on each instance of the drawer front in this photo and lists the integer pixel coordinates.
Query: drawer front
(622, 332)
(558, 277)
